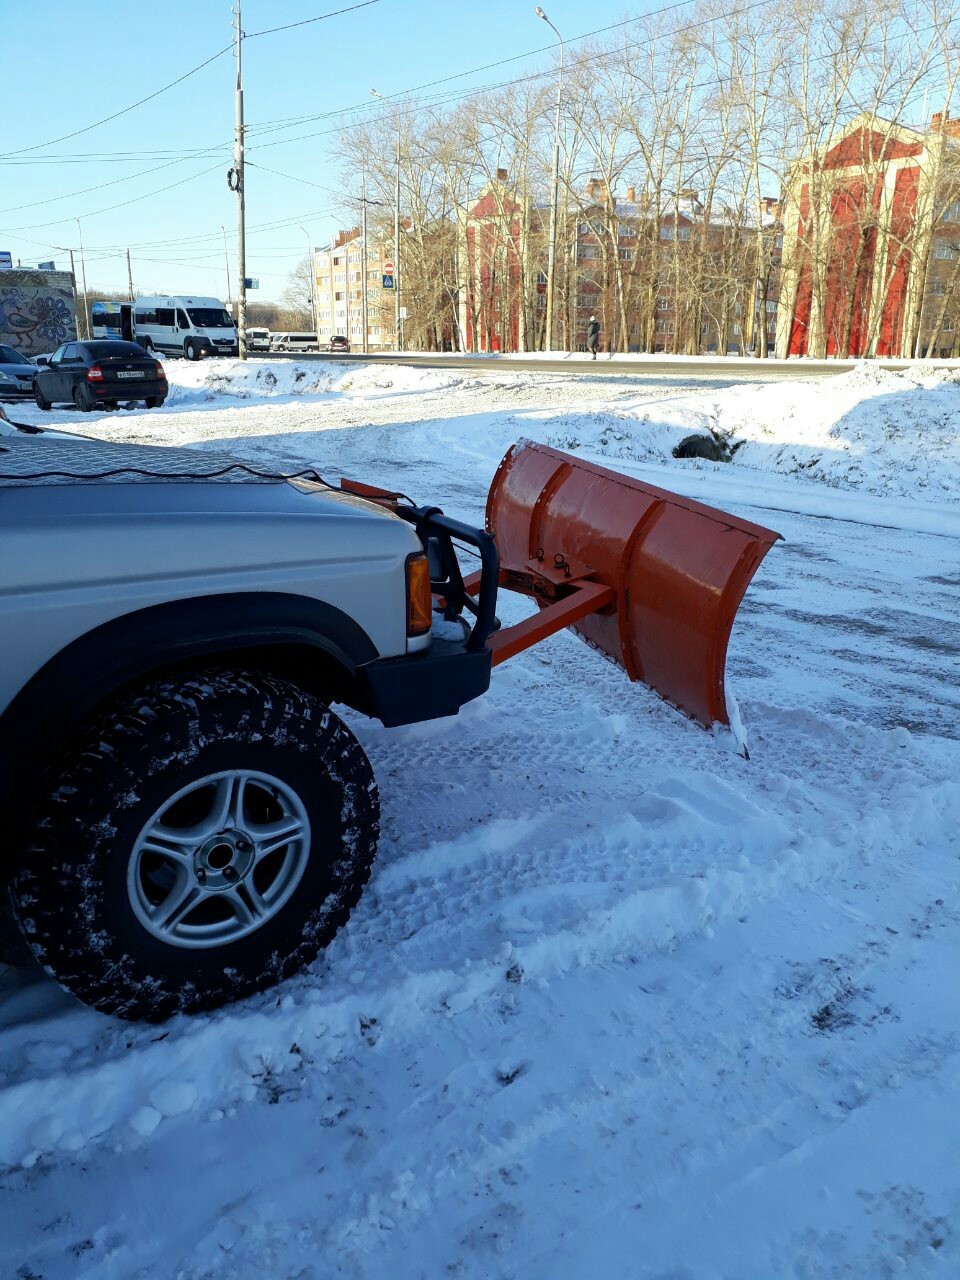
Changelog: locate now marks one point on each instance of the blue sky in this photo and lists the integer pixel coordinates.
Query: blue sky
(76, 65)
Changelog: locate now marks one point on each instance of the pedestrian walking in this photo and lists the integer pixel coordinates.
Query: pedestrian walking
(593, 335)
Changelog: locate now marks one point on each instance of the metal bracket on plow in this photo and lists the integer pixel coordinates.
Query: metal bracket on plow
(580, 598)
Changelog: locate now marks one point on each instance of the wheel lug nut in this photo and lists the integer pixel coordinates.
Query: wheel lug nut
(243, 846)
(201, 876)
(230, 874)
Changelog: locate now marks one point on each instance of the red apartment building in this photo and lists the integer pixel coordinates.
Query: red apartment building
(870, 236)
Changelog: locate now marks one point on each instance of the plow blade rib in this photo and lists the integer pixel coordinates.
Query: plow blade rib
(678, 569)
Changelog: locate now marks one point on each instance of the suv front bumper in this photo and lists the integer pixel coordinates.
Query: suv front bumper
(423, 686)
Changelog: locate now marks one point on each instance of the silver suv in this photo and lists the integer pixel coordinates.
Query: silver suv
(186, 819)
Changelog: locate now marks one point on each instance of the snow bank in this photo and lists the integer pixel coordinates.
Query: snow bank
(892, 434)
(192, 385)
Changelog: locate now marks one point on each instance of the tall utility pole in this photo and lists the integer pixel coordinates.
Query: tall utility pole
(76, 309)
(238, 186)
(130, 275)
(83, 276)
(396, 251)
(552, 253)
(363, 267)
(396, 242)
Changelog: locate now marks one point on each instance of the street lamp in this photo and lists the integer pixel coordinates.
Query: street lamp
(313, 296)
(552, 252)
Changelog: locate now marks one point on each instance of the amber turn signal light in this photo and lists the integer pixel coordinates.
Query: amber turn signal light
(419, 600)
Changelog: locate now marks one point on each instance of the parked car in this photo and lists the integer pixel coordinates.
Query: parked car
(296, 342)
(16, 375)
(339, 342)
(258, 339)
(104, 372)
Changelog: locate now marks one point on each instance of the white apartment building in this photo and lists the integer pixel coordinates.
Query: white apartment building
(338, 292)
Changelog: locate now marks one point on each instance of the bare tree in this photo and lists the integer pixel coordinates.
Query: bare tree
(297, 297)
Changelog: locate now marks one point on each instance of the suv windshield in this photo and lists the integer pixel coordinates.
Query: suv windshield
(9, 356)
(210, 317)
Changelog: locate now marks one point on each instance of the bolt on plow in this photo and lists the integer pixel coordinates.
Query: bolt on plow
(651, 579)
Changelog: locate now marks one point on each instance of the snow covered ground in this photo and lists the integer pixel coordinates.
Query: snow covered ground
(617, 1002)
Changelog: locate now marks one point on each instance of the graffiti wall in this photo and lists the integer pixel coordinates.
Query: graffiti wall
(36, 310)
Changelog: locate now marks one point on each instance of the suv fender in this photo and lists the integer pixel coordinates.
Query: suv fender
(313, 643)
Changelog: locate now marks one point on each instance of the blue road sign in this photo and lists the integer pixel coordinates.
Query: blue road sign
(388, 282)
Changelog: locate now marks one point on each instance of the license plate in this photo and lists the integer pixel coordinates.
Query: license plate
(131, 373)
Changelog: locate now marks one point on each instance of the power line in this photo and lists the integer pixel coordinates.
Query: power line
(293, 178)
(269, 31)
(99, 186)
(439, 99)
(38, 146)
(488, 66)
(57, 222)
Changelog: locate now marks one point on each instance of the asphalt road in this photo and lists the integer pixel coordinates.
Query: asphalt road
(734, 369)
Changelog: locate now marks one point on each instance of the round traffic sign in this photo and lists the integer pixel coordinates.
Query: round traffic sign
(388, 268)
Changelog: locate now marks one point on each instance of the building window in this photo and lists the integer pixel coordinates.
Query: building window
(953, 213)
(626, 255)
(338, 297)
(664, 326)
(778, 242)
(771, 306)
(947, 326)
(663, 303)
(937, 288)
(666, 233)
(588, 251)
(683, 233)
(945, 251)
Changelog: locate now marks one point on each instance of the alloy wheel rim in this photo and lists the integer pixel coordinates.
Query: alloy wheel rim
(218, 859)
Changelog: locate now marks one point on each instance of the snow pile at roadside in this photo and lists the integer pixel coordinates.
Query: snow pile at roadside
(216, 380)
(894, 434)
(648, 431)
(891, 434)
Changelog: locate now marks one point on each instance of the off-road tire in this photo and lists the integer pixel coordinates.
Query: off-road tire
(41, 400)
(71, 898)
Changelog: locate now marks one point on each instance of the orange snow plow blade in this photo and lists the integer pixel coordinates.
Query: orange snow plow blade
(652, 579)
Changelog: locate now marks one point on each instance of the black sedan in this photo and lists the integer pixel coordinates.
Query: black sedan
(88, 374)
(16, 375)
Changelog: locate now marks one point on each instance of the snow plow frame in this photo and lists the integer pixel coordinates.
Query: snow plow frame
(650, 578)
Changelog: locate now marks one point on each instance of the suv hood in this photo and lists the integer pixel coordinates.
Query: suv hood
(45, 460)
